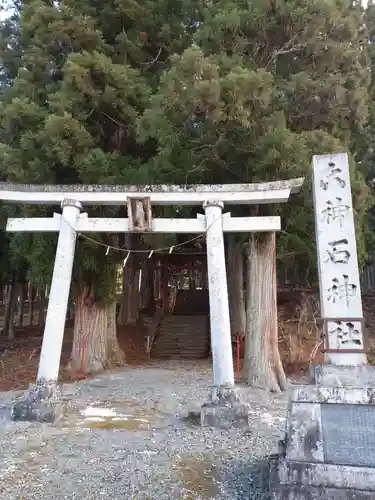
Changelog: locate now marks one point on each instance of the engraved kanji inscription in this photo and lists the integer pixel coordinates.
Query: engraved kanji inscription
(341, 289)
(333, 174)
(337, 252)
(348, 434)
(346, 333)
(335, 211)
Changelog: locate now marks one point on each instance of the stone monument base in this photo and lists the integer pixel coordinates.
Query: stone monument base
(310, 481)
(343, 376)
(41, 403)
(329, 449)
(225, 410)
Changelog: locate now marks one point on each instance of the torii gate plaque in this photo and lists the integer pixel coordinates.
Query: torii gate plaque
(40, 402)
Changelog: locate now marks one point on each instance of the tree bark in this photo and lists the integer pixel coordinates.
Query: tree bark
(10, 310)
(31, 297)
(3, 331)
(236, 288)
(41, 306)
(205, 279)
(21, 304)
(262, 364)
(130, 300)
(147, 287)
(192, 280)
(95, 345)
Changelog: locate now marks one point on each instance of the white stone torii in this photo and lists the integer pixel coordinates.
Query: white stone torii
(211, 197)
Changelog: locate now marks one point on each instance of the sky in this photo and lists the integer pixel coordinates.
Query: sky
(4, 11)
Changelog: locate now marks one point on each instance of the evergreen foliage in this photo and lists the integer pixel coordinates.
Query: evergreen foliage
(263, 87)
(148, 91)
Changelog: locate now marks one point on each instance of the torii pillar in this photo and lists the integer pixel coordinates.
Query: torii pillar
(221, 343)
(59, 294)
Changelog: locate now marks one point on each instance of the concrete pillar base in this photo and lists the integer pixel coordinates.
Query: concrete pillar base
(41, 403)
(225, 410)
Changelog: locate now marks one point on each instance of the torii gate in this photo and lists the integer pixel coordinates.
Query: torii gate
(214, 223)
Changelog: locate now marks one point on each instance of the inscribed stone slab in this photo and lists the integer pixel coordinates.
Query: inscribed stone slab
(340, 294)
(349, 434)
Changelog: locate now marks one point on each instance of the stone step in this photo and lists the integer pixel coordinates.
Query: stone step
(182, 337)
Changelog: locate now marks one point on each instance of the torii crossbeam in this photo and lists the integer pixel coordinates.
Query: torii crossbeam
(213, 222)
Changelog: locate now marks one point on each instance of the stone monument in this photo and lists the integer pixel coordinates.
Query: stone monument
(329, 449)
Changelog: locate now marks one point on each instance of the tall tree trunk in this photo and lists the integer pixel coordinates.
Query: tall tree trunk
(262, 366)
(41, 306)
(205, 279)
(236, 287)
(159, 307)
(10, 310)
(5, 310)
(21, 308)
(7, 307)
(130, 300)
(192, 279)
(95, 344)
(147, 286)
(31, 298)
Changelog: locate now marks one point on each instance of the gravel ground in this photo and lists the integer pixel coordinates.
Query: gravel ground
(127, 436)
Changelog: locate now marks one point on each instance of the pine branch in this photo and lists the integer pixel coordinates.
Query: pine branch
(285, 50)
